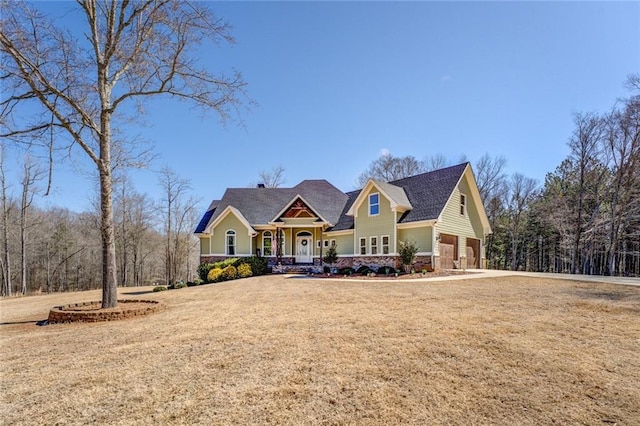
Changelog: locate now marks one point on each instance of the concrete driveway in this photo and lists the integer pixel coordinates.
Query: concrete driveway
(483, 273)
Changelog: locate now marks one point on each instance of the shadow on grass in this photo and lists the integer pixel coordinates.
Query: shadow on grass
(35, 322)
(138, 293)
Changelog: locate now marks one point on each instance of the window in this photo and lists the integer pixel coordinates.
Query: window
(266, 243)
(326, 243)
(463, 204)
(318, 244)
(374, 204)
(333, 243)
(374, 245)
(385, 244)
(363, 246)
(231, 242)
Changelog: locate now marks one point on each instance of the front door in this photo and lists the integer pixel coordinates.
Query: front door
(304, 248)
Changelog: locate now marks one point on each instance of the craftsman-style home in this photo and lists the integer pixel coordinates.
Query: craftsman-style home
(441, 211)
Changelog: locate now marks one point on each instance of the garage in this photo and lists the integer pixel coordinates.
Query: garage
(473, 253)
(448, 250)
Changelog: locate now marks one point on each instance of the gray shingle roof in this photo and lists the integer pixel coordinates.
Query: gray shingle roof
(261, 205)
(427, 193)
(396, 193)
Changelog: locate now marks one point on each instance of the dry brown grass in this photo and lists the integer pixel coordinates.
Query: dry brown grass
(272, 350)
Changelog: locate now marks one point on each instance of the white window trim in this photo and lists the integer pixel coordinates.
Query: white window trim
(378, 204)
(382, 245)
(463, 205)
(226, 242)
(360, 246)
(371, 246)
(332, 243)
(265, 237)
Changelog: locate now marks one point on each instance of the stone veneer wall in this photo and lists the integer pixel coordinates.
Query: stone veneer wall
(75, 313)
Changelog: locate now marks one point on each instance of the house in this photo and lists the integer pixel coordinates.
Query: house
(441, 211)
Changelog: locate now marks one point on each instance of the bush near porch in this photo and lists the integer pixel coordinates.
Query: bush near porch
(258, 266)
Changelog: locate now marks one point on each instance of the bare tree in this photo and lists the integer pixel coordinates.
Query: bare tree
(435, 162)
(584, 144)
(490, 176)
(273, 178)
(177, 210)
(521, 192)
(622, 147)
(130, 51)
(389, 168)
(7, 284)
(31, 175)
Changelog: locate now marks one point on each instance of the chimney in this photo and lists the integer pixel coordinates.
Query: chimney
(260, 185)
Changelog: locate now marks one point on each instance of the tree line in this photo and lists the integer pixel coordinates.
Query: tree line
(584, 218)
(55, 249)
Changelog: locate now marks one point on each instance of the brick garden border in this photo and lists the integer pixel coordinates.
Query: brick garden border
(75, 313)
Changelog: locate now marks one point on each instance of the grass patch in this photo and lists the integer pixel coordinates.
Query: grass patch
(293, 351)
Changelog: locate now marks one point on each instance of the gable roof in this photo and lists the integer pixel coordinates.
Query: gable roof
(422, 197)
(259, 206)
(426, 193)
(429, 192)
(395, 194)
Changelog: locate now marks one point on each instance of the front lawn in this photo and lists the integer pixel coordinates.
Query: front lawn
(283, 350)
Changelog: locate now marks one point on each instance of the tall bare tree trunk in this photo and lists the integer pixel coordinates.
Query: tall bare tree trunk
(7, 284)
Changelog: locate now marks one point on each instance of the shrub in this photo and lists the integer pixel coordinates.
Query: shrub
(229, 273)
(232, 261)
(331, 256)
(191, 284)
(198, 281)
(346, 271)
(387, 270)
(258, 264)
(364, 270)
(159, 288)
(326, 269)
(244, 270)
(180, 285)
(408, 251)
(203, 271)
(214, 275)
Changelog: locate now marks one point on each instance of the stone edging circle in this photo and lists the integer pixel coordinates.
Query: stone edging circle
(83, 312)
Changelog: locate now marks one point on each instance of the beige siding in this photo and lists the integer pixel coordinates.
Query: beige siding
(423, 237)
(344, 243)
(243, 240)
(204, 245)
(374, 226)
(464, 226)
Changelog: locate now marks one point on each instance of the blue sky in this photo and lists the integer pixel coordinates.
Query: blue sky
(336, 83)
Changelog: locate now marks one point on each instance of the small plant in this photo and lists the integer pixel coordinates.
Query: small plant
(386, 270)
(363, 270)
(198, 281)
(214, 275)
(244, 270)
(408, 251)
(332, 255)
(203, 271)
(346, 271)
(159, 288)
(229, 273)
(180, 285)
